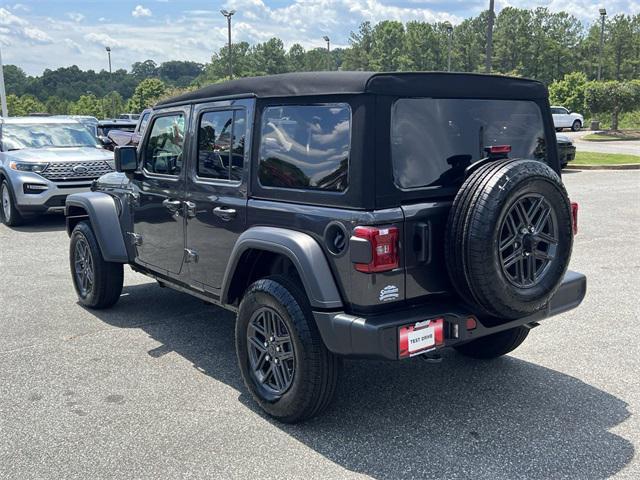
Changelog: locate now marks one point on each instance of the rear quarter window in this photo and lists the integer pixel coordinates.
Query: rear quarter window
(305, 147)
(434, 140)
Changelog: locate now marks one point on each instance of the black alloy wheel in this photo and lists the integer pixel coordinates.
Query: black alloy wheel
(83, 267)
(528, 241)
(271, 352)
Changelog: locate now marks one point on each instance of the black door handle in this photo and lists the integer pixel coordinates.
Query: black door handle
(224, 213)
(172, 205)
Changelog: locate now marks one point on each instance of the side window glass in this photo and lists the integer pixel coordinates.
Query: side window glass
(305, 146)
(163, 151)
(221, 138)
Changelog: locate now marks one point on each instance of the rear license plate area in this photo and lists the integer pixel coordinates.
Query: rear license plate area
(421, 337)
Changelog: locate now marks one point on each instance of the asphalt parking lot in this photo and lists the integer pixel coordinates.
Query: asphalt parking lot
(150, 388)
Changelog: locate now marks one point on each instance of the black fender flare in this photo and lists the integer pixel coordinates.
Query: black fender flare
(102, 211)
(303, 251)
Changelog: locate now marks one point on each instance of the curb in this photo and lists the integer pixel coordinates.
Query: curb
(623, 166)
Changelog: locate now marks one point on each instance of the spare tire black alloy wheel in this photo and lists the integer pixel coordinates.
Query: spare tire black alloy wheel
(528, 240)
(271, 352)
(509, 238)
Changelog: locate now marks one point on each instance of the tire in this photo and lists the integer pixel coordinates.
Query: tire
(496, 345)
(9, 214)
(576, 125)
(487, 250)
(103, 287)
(310, 371)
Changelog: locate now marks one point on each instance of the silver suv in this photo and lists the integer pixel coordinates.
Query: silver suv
(44, 159)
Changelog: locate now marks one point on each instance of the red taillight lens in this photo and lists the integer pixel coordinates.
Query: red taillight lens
(384, 248)
(471, 323)
(499, 149)
(574, 217)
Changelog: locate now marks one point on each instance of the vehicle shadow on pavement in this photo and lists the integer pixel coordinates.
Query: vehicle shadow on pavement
(462, 418)
(44, 223)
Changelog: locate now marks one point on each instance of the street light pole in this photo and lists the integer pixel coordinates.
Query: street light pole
(3, 92)
(326, 39)
(229, 14)
(487, 62)
(603, 14)
(449, 28)
(113, 100)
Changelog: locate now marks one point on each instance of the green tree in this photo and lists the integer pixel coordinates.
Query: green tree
(56, 105)
(269, 57)
(295, 58)
(179, 73)
(419, 40)
(88, 104)
(620, 46)
(146, 94)
(387, 47)
(358, 56)
(144, 70)
(612, 97)
(469, 43)
(569, 92)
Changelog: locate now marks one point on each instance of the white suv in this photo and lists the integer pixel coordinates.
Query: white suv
(563, 118)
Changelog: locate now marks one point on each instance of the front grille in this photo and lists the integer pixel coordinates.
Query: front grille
(75, 171)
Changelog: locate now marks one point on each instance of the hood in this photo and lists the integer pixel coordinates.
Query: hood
(70, 154)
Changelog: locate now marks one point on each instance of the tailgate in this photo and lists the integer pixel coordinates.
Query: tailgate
(424, 231)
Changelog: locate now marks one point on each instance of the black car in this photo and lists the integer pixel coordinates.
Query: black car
(372, 215)
(566, 150)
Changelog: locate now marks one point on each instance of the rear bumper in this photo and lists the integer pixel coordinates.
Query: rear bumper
(377, 336)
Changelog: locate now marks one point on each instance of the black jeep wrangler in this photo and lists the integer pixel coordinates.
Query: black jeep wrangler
(378, 215)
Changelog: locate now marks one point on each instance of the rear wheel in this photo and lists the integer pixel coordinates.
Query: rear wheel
(577, 125)
(9, 213)
(496, 345)
(98, 283)
(282, 358)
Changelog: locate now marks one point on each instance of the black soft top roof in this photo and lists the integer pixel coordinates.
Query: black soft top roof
(436, 84)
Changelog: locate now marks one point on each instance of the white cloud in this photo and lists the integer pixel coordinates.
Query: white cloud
(141, 11)
(14, 28)
(102, 39)
(76, 17)
(20, 7)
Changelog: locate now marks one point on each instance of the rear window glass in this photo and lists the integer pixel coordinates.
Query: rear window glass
(434, 140)
(305, 146)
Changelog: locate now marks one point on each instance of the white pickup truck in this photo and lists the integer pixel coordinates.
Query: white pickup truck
(563, 118)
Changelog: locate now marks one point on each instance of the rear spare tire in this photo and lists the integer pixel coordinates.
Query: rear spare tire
(509, 238)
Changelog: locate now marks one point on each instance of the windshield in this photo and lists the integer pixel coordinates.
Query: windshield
(46, 135)
(434, 140)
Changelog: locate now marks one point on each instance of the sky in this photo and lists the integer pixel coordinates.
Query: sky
(40, 34)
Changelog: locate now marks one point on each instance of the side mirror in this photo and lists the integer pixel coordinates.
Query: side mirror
(126, 159)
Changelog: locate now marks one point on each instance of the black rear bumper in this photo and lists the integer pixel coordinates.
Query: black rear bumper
(377, 336)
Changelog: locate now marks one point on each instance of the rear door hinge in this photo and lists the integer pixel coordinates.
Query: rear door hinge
(190, 256)
(136, 238)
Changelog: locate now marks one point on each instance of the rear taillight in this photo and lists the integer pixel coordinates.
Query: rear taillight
(384, 248)
(574, 217)
(499, 149)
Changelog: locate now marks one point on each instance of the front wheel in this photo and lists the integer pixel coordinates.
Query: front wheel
(9, 213)
(98, 283)
(577, 125)
(496, 345)
(283, 361)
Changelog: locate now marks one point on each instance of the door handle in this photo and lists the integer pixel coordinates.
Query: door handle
(172, 205)
(224, 213)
